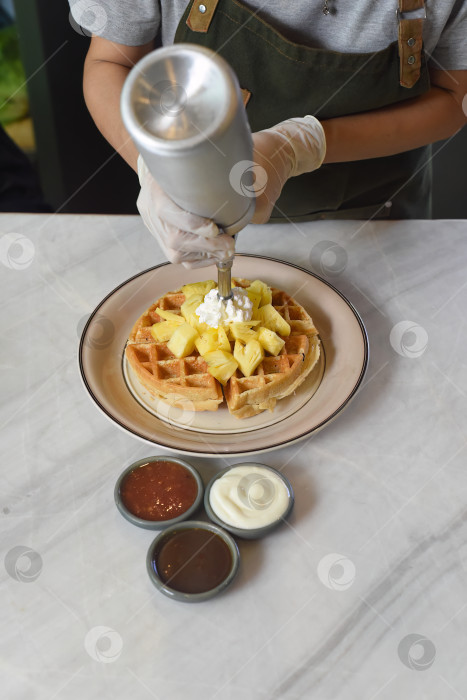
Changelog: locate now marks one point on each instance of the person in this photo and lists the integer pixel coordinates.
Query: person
(344, 101)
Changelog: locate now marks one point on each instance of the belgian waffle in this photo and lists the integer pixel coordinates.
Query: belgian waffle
(186, 383)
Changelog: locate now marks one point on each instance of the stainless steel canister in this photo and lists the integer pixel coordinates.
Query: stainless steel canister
(182, 106)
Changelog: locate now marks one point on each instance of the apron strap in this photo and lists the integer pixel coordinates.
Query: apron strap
(410, 42)
(201, 14)
(246, 94)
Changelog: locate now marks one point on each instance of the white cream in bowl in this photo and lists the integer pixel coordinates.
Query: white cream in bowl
(249, 497)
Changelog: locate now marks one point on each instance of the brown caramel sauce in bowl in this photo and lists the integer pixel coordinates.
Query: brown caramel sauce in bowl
(192, 561)
(156, 492)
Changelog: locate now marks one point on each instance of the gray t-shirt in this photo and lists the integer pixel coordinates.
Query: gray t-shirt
(355, 26)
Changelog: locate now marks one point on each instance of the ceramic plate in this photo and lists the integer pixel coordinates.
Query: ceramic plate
(327, 390)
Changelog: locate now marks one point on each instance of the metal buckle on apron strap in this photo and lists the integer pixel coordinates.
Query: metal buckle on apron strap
(410, 14)
(417, 13)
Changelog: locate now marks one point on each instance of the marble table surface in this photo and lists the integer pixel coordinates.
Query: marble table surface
(361, 595)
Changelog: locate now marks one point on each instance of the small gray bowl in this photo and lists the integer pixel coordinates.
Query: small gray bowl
(191, 597)
(158, 524)
(248, 533)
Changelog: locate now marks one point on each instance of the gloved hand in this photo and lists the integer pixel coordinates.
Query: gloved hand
(290, 148)
(185, 238)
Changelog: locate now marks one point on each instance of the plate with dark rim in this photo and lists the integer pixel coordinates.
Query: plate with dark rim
(322, 396)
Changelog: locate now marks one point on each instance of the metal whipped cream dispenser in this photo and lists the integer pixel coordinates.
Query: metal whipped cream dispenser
(183, 109)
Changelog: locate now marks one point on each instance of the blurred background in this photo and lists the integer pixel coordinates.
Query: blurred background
(42, 109)
(42, 113)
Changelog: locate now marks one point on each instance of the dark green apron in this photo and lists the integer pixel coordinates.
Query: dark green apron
(291, 80)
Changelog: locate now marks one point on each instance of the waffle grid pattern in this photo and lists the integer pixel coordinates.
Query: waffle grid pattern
(188, 377)
(141, 332)
(294, 314)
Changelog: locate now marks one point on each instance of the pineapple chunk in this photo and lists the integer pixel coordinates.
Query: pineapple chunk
(254, 296)
(270, 341)
(223, 342)
(213, 339)
(198, 325)
(169, 315)
(228, 332)
(198, 288)
(272, 319)
(163, 331)
(182, 342)
(188, 310)
(245, 324)
(221, 365)
(207, 342)
(266, 295)
(248, 356)
(242, 331)
(189, 306)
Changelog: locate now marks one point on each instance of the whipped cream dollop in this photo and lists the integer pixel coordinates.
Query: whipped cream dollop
(213, 311)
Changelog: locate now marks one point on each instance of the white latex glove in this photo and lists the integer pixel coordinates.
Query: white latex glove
(292, 147)
(185, 238)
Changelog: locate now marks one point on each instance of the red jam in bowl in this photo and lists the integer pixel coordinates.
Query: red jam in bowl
(159, 490)
(192, 560)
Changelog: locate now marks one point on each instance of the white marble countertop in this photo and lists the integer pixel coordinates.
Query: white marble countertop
(361, 596)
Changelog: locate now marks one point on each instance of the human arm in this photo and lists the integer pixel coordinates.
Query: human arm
(106, 67)
(436, 115)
